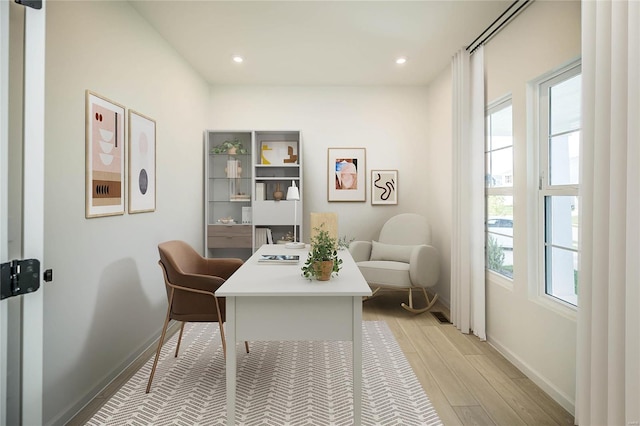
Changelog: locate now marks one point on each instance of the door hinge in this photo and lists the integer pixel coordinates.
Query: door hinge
(19, 277)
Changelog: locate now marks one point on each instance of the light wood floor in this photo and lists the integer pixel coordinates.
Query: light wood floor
(468, 382)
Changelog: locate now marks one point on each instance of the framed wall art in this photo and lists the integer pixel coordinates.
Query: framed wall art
(346, 174)
(384, 187)
(104, 156)
(142, 163)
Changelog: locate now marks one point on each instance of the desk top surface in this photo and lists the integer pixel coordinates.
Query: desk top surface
(255, 278)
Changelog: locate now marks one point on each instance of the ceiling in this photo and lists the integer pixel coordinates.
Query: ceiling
(319, 42)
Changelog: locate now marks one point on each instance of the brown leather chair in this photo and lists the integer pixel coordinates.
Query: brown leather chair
(191, 281)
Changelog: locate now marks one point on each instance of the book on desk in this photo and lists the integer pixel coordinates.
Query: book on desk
(279, 258)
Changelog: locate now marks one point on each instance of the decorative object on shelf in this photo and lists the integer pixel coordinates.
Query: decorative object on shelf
(275, 153)
(384, 187)
(233, 169)
(240, 196)
(278, 194)
(346, 174)
(261, 194)
(322, 261)
(285, 239)
(104, 162)
(294, 195)
(246, 215)
(226, 220)
(142, 163)
(231, 147)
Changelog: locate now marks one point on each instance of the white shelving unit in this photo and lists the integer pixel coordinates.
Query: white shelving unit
(272, 162)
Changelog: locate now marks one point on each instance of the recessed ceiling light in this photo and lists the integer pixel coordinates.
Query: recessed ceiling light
(238, 59)
(401, 61)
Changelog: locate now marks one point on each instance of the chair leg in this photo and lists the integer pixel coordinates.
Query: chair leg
(430, 303)
(375, 291)
(179, 339)
(224, 342)
(162, 336)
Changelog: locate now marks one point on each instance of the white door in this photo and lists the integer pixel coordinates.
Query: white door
(30, 320)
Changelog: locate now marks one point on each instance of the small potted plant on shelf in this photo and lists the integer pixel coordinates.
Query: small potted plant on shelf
(230, 147)
(322, 260)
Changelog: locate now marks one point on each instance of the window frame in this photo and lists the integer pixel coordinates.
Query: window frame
(497, 105)
(538, 92)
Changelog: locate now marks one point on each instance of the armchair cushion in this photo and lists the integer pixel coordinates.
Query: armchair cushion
(391, 252)
(360, 250)
(386, 273)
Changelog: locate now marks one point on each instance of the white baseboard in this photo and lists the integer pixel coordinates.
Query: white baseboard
(557, 395)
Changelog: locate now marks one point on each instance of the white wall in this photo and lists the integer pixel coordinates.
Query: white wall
(390, 122)
(439, 174)
(539, 340)
(107, 300)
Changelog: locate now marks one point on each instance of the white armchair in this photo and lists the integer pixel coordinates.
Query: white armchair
(402, 258)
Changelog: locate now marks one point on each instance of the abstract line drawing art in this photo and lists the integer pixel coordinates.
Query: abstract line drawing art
(142, 163)
(105, 154)
(384, 187)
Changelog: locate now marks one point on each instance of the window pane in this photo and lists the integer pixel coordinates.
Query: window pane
(499, 258)
(565, 105)
(500, 168)
(562, 274)
(499, 243)
(500, 129)
(562, 221)
(564, 152)
(500, 207)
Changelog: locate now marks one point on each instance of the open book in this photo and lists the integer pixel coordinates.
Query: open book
(279, 258)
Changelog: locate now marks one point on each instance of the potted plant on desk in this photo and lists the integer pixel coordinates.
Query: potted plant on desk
(322, 260)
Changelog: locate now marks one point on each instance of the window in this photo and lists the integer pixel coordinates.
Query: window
(559, 144)
(499, 188)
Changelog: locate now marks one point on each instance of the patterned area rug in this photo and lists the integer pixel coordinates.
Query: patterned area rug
(279, 383)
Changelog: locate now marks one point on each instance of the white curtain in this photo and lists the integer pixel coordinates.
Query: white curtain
(608, 368)
(467, 245)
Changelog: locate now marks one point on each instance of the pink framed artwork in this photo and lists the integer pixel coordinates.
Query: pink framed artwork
(346, 174)
(104, 156)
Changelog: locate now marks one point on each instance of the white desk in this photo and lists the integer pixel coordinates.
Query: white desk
(275, 302)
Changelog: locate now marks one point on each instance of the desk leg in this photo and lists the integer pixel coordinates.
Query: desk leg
(231, 360)
(357, 360)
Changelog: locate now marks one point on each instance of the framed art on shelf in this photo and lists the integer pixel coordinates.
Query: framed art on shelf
(142, 163)
(384, 187)
(104, 156)
(346, 178)
(277, 153)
